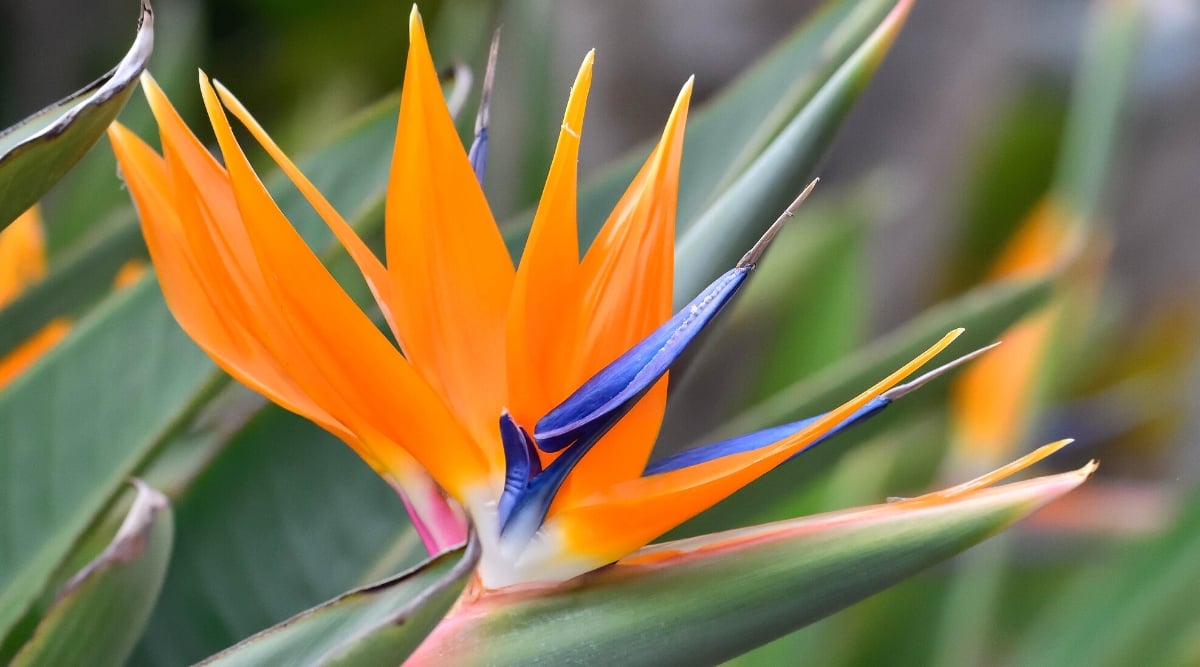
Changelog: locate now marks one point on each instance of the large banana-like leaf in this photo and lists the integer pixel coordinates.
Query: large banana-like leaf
(75, 426)
(706, 599)
(284, 517)
(379, 625)
(38, 151)
(99, 613)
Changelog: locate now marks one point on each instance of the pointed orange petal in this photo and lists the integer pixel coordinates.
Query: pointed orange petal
(372, 269)
(22, 254)
(193, 297)
(625, 292)
(619, 520)
(993, 477)
(387, 404)
(451, 272)
(539, 351)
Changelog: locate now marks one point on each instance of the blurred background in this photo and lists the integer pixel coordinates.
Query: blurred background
(948, 155)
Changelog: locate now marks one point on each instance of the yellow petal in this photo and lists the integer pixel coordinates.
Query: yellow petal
(993, 477)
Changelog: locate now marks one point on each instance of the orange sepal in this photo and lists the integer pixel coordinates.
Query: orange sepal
(619, 520)
(451, 272)
(625, 292)
(540, 346)
(378, 395)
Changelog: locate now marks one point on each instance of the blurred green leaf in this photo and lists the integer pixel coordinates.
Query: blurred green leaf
(818, 295)
(99, 614)
(1110, 50)
(378, 625)
(1127, 610)
(1009, 176)
(983, 312)
(284, 517)
(707, 599)
(38, 151)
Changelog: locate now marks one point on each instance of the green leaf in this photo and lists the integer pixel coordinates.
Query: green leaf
(1110, 49)
(99, 614)
(741, 212)
(78, 423)
(378, 625)
(284, 517)
(1009, 174)
(984, 312)
(711, 598)
(1143, 598)
(815, 293)
(38, 151)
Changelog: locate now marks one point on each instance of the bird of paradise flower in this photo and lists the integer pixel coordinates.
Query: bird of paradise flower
(527, 399)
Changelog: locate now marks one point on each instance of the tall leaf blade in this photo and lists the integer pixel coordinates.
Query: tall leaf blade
(1143, 597)
(78, 424)
(743, 210)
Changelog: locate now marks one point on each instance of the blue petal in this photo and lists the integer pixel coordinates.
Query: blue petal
(752, 441)
(619, 385)
(530, 507)
(521, 464)
(478, 153)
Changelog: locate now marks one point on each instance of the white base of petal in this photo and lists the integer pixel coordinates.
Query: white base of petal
(542, 560)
